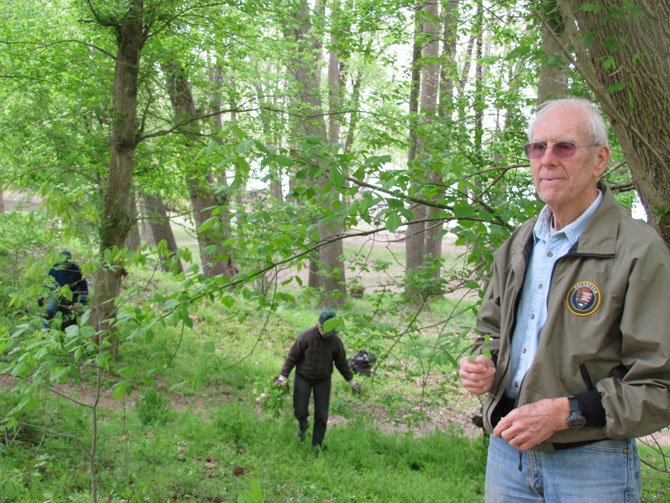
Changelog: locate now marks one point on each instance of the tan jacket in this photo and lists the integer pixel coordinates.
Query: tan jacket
(607, 327)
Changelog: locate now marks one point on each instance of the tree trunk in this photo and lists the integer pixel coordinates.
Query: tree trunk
(216, 102)
(627, 65)
(553, 81)
(328, 274)
(199, 180)
(115, 217)
(161, 230)
(2, 201)
(133, 241)
(430, 85)
(444, 110)
(414, 239)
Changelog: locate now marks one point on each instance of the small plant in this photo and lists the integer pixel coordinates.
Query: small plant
(272, 398)
(152, 408)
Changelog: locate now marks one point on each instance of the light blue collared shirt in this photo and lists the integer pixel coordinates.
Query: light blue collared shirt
(549, 246)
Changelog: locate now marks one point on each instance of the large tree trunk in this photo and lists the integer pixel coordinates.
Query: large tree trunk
(199, 181)
(161, 230)
(553, 81)
(627, 65)
(116, 216)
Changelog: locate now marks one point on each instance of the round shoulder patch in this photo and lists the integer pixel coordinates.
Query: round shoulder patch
(583, 299)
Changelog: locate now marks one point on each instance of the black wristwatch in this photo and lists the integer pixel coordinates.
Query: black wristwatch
(576, 419)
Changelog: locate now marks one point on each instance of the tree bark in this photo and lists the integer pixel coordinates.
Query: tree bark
(199, 180)
(133, 240)
(627, 65)
(414, 239)
(115, 217)
(161, 230)
(553, 81)
(328, 274)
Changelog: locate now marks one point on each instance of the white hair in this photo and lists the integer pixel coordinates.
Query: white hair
(596, 127)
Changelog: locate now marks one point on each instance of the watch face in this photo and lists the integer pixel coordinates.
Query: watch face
(575, 422)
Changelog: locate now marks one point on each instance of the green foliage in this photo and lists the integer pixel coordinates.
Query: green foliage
(152, 407)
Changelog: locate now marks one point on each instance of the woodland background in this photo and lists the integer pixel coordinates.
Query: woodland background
(223, 170)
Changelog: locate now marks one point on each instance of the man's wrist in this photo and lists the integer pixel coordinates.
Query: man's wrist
(562, 412)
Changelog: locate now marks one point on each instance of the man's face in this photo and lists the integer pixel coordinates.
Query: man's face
(567, 185)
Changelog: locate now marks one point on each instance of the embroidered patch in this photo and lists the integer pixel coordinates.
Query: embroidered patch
(583, 299)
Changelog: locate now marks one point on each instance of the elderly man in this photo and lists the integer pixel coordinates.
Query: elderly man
(313, 354)
(577, 325)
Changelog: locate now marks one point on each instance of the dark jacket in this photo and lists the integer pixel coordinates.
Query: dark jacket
(613, 352)
(313, 356)
(69, 273)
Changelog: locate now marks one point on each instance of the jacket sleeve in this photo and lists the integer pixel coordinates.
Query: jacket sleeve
(295, 354)
(341, 362)
(637, 402)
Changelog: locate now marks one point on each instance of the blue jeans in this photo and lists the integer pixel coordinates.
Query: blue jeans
(603, 472)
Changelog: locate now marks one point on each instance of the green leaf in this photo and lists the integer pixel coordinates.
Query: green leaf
(393, 221)
(616, 87)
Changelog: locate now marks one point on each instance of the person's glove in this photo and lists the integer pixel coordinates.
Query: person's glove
(281, 381)
(355, 386)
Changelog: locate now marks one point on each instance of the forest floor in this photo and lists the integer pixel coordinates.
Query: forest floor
(457, 415)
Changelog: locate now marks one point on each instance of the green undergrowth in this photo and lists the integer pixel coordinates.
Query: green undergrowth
(231, 452)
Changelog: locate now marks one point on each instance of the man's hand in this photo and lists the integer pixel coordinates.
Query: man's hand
(477, 376)
(531, 424)
(357, 388)
(281, 381)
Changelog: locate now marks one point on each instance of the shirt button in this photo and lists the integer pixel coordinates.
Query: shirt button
(524, 350)
(540, 285)
(550, 254)
(516, 384)
(532, 316)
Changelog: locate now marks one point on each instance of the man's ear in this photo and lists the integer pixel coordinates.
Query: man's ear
(602, 160)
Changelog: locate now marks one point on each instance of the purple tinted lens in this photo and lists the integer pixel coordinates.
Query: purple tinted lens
(564, 149)
(535, 150)
(559, 149)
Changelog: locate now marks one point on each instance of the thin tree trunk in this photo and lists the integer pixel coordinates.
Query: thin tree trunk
(414, 239)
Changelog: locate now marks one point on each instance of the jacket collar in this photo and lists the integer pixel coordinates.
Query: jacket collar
(598, 237)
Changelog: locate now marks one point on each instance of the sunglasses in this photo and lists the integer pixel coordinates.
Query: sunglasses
(562, 149)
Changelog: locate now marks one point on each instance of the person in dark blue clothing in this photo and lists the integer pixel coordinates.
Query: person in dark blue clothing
(66, 273)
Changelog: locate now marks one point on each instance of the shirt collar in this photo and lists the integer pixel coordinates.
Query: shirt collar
(544, 230)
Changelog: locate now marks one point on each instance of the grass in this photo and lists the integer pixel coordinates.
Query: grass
(205, 424)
